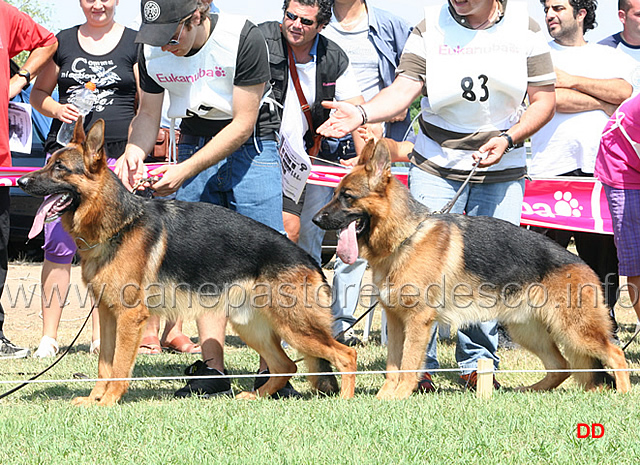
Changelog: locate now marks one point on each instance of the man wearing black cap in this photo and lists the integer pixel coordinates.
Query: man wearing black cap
(214, 67)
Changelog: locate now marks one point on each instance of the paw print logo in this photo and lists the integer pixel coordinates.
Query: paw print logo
(566, 205)
(219, 72)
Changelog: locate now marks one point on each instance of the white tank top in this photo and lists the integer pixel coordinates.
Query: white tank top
(202, 84)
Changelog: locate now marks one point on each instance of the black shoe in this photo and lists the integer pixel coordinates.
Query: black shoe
(288, 391)
(349, 340)
(9, 350)
(504, 340)
(205, 387)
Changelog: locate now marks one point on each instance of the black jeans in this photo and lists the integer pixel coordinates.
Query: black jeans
(4, 243)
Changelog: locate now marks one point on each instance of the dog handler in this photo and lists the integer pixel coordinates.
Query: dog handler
(474, 62)
(215, 67)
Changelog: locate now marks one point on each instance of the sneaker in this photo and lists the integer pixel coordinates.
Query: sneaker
(425, 385)
(48, 348)
(470, 381)
(205, 387)
(504, 340)
(288, 391)
(9, 350)
(348, 338)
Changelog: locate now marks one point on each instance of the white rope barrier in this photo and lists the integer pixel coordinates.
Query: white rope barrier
(253, 375)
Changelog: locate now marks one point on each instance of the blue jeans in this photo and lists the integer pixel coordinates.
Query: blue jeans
(500, 200)
(346, 278)
(247, 181)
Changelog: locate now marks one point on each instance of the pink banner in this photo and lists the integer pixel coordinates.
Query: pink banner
(574, 204)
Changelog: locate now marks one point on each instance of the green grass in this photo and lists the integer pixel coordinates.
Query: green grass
(149, 426)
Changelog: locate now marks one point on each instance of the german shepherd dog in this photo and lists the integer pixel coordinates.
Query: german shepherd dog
(180, 259)
(459, 269)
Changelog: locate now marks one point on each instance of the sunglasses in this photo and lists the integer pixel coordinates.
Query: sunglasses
(304, 21)
(177, 41)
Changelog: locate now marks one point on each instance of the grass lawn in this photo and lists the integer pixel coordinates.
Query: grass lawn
(149, 426)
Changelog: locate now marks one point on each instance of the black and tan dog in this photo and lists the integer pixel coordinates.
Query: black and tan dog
(181, 259)
(458, 269)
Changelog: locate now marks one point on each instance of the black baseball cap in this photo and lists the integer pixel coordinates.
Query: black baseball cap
(160, 19)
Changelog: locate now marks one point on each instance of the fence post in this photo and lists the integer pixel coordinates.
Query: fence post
(484, 389)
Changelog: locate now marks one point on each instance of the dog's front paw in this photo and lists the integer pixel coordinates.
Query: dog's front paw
(246, 395)
(83, 401)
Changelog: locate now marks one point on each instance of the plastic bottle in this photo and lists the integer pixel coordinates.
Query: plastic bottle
(83, 99)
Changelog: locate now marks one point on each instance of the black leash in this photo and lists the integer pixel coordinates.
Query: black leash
(632, 339)
(344, 331)
(17, 388)
(447, 208)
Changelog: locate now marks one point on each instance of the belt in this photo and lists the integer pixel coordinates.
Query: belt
(190, 139)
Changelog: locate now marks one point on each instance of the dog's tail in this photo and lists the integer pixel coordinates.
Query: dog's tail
(326, 384)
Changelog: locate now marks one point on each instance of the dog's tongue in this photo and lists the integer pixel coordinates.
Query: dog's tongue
(41, 215)
(348, 244)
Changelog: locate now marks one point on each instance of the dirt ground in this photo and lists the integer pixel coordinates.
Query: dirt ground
(21, 303)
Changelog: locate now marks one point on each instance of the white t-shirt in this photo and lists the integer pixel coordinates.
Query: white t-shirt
(346, 88)
(570, 140)
(362, 54)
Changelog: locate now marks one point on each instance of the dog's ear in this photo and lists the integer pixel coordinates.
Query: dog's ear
(378, 162)
(94, 156)
(78, 131)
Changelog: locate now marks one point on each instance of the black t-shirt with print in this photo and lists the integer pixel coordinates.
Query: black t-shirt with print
(113, 76)
(252, 67)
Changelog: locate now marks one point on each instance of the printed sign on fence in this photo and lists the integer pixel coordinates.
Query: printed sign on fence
(574, 204)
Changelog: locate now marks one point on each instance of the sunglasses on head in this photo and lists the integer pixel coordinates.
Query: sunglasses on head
(177, 41)
(304, 21)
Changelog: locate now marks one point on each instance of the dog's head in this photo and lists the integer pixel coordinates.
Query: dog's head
(63, 178)
(359, 199)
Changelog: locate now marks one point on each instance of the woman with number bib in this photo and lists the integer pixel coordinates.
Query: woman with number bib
(475, 63)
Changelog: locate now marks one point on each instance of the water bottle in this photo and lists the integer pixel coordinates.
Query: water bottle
(83, 99)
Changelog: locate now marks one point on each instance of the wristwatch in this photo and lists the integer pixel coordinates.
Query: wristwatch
(25, 74)
(510, 143)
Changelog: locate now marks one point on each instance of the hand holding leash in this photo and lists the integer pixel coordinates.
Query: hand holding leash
(129, 168)
(170, 177)
(493, 151)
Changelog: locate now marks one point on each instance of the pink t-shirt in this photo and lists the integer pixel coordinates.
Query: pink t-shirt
(617, 163)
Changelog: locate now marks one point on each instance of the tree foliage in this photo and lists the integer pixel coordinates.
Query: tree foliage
(40, 12)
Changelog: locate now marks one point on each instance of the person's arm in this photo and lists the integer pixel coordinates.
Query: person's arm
(614, 91)
(542, 100)
(41, 98)
(574, 101)
(246, 105)
(388, 103)
(143, 133)
(38, 58)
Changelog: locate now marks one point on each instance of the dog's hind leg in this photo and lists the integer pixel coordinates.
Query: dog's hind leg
(591, 350)
(395, 341)
(326, 384)
(326, 348)
(261, 338)
(535, 337)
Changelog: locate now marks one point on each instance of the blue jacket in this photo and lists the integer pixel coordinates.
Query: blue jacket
(389, 33)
